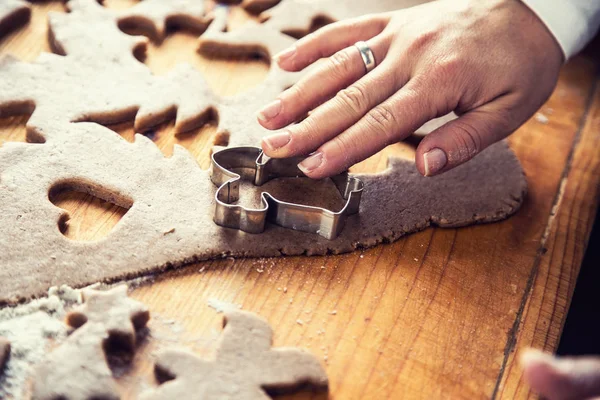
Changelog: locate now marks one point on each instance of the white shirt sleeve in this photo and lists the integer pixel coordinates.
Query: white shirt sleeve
(572, 22)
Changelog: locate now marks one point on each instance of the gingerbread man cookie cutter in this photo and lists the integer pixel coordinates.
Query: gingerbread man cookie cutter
(256, 167)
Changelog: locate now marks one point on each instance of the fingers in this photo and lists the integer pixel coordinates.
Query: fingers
(341, 70)
(329, 40)
(461, 139)
(386, 123)
(335, 116)
(561, 378)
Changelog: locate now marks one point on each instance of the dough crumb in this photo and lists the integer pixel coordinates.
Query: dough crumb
(541, 118)
(221, 306)
(30, 328)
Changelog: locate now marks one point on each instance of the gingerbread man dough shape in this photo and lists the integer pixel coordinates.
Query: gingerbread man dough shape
(245, 368)
(77, 369)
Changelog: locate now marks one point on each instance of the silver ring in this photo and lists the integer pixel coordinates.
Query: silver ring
(367, 55)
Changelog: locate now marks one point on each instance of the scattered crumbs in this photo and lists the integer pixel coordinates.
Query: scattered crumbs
(260, 270)
(53, 257)
(169, 231)
(299, 322)
(513, 287)
(66, 293)
(285, 290)
(279, 289)
(416, 259)
(362, 256)
(291, 300)
(325, 358)
(201, 269)
(322, 267)
(222, 306)
(333, 312)
(541, 118)
(30, 328)
(132, 284)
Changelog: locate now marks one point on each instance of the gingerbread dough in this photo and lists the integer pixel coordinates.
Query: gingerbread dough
(298, 17)
(77, 369)
(170, 200)
(13, 14)
(4, 352)
(253, 6)
(91, 32)
(245, 366)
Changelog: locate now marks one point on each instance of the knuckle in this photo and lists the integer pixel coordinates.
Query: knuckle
(306, 136)
(340, 63)
(448, 68)
(354, 98)
(467, 140)
(296, 95)
(383, 121)
(346, 149)
(421, 41)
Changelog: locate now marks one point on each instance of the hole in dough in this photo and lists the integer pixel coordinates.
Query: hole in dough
(316, 23)
(181, 46)
(13, 125)
(32, 37)
(91, 217)
(198, 142)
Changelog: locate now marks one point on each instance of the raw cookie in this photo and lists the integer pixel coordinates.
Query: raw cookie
(253, 6)
(13, 14)
(299, 17)
(4, 352)
(77, 369)
(245, 366)
(91, 32)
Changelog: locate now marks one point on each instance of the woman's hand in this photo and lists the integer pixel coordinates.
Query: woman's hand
(561, 378)
(492, 62)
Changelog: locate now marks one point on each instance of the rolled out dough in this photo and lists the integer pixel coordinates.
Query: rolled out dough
(170, 200)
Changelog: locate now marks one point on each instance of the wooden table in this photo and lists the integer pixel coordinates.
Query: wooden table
(439, 314)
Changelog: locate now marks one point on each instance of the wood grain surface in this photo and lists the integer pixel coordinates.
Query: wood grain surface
(439, 314)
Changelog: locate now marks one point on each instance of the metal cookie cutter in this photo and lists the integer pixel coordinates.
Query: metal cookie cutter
(251, 164)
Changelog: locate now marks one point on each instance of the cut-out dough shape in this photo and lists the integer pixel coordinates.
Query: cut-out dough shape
(13, 14)
(90, 32)
(4, 353)
(170, 222)
(253, 6)
(245, 367)
(77, 369)
(298, 16)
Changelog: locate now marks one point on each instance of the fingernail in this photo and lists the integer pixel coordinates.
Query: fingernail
(285, 54)
(311, 163)
(434, 160)
(533, 356)
(270, 111)
(278, 140)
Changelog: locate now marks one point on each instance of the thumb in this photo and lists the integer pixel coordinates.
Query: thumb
(461, 139)
(561, 378)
